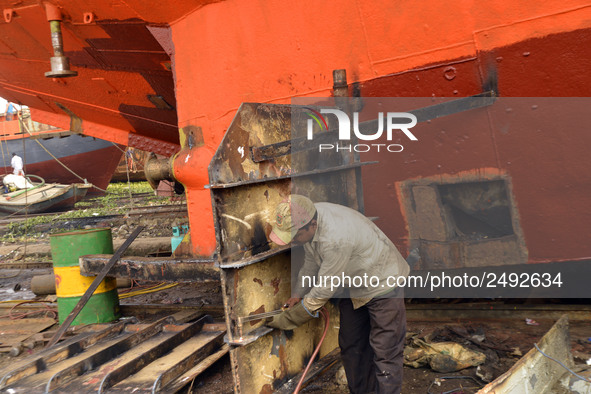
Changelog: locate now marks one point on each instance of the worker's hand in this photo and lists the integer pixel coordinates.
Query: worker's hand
(291, 318)
(291, 302)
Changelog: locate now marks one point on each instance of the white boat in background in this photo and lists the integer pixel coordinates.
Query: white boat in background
(42, 197)
(55, 154)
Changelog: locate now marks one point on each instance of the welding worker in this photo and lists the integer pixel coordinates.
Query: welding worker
(17, 165)
(341, 242)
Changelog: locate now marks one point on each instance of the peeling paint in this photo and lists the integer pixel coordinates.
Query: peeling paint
(278, 342)
(275, 283)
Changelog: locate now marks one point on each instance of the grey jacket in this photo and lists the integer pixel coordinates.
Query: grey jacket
(347, 244)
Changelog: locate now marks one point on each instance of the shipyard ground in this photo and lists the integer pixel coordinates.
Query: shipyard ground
(503, 335)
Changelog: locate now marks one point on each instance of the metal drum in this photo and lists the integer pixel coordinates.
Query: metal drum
(66, 248)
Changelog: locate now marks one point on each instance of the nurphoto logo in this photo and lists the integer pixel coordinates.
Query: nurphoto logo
(394, 121)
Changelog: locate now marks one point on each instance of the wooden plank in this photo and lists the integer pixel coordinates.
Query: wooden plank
(28, 194)
(14, 331)
(493, 310)
(66, 349)
(107, 354)
(132, 366)
(154, 376)
(194, 372)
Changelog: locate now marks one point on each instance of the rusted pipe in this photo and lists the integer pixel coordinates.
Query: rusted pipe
(157, 170)
(340, 90)
(45, 284)
(60, 64)
(340, 87)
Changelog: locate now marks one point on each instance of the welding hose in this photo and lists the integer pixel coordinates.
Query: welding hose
(326, 316)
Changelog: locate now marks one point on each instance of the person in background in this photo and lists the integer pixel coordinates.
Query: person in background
(17, 165)
(10, 111)
(339, 241)
(129, 157)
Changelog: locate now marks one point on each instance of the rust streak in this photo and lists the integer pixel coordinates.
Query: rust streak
(260, 309)
(275, 283)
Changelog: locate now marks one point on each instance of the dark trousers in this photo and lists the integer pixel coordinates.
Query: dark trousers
(371, 339)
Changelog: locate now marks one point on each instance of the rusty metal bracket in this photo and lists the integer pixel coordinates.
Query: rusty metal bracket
(153, 268)
(272, 151)
(88, 17)
(249, 337)
(256, 273)
(8, 14)
(254, 259)
(291, 176)
(481, 100)
(258, 316)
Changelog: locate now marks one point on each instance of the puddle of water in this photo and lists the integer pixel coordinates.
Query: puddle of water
(10, 294)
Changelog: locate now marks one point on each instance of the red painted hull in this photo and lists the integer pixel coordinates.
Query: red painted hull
(147, 69)
(97, 168)
(80, 158)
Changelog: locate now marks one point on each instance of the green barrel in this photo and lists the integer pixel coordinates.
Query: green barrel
(70, 286)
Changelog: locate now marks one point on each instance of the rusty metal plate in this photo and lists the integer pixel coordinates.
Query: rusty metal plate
(253, 170)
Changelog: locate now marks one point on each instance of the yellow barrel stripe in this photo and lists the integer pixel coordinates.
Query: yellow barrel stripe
(69, 282)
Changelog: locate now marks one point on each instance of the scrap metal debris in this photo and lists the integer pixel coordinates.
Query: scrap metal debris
(546, 369)
(442, 356)
(14, 333)
(456, 347)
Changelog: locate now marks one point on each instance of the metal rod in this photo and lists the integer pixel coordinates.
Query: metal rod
(290, 176)
(95, 284)
(258, 316)
(60, 64)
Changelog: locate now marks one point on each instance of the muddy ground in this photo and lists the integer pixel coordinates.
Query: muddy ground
(513, 334)
(507, 339)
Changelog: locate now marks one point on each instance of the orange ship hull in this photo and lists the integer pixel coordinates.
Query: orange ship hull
(155, 77)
